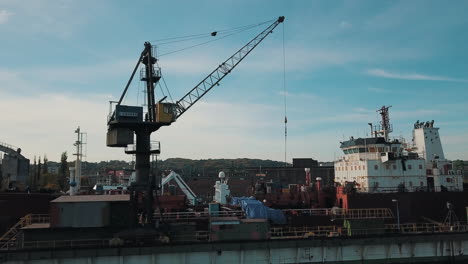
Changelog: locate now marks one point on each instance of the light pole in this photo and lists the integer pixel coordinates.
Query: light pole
(398, 213)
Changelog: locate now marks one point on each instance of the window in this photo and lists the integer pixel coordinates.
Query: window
(409, 167)
(387, 167)
(394, 166)
(371, 149)
(449, 180)
(167, 109)
(381, 149)
(355, 150)
(362, 150)
(376, 167)
(420, 166)
(394, 149)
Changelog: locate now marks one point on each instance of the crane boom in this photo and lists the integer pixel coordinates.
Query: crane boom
(221, 71)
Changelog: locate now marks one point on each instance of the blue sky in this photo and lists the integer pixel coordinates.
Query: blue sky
(62, 61)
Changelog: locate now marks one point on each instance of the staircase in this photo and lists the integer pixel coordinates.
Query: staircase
(9, 240)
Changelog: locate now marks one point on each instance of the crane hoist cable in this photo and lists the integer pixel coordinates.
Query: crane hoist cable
(167, 89)
(165, 85)
(208, 34)
(138, 92)
(285, 93)
(215, 33)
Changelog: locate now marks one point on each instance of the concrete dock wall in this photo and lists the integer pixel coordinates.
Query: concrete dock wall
(447, 248)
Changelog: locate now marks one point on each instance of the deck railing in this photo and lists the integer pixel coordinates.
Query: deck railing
(10, 241)
(340, 213)
(275, 233)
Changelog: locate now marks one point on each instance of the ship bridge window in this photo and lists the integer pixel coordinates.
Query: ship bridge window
(362, 150)
(372, 149)
(380, 149)
(355, 150)
(420, 166)
(394, 149)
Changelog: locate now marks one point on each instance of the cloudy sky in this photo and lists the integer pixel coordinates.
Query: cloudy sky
(62, 61)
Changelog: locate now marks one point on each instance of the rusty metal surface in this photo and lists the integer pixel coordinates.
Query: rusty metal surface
(13, 206)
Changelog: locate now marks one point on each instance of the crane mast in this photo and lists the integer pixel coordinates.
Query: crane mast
(126, 121)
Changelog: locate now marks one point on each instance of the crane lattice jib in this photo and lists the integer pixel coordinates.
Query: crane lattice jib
(221, 71)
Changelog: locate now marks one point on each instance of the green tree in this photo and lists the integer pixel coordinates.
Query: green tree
(45, 170)
(458, 164)
(38, 171)
(63, 172)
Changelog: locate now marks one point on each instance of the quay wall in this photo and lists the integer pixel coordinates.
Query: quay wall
(439, 248)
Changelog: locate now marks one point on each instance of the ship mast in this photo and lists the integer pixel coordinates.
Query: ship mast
(385, 126)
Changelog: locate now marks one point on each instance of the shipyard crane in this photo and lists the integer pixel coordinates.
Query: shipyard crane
(124, 121)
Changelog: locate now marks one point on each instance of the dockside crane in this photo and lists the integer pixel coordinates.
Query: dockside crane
(124, 121)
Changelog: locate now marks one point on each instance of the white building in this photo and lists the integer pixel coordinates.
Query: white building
(377, 164)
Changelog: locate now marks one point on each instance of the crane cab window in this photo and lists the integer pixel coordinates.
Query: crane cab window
(167, 109)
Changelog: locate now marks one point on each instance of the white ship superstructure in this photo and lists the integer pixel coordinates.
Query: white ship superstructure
(378, 164)
(439, 170)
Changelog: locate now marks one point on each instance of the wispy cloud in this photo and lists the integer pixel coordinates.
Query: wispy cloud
(345, 25)
(378, 90)
(416, 113)
(305, 96)
(411, 76)
(5, 16)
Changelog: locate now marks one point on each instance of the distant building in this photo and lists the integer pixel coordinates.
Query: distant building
(53, 169)
(14, 168)
(465, 172)
(115, 176)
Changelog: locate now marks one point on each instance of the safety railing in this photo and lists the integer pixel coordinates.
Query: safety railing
(274, 234)
(6, 145)
(416, 228)
(176, 216)
(67, 243)
(37, 219)
(366, 213)
(304, 232)
(387, 229)
(340, 213)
